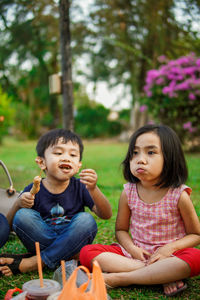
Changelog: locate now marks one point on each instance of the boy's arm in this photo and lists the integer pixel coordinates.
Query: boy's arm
(102, 207)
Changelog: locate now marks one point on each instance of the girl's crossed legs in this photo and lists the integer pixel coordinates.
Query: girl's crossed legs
(123, 271)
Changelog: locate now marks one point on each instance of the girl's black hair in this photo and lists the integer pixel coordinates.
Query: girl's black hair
(51, 138)
(174, 171)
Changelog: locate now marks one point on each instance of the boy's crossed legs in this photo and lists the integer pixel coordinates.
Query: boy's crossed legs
(57, 242)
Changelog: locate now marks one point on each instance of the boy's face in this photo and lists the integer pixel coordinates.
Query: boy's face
(61, 161)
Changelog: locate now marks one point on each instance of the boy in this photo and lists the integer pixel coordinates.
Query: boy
(55, 216)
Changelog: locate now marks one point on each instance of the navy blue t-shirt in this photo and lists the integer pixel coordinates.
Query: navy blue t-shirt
(70, 202)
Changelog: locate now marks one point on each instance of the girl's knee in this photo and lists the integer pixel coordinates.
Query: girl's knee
(86, 256)
(88, 253)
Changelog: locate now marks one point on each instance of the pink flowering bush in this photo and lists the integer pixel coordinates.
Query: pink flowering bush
(173, 94)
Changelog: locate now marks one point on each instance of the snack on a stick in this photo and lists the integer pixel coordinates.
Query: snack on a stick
(36, 185)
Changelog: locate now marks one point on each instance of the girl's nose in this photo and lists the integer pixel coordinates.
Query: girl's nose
(141, 159)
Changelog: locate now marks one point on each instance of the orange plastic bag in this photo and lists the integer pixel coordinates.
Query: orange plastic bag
(98, 289)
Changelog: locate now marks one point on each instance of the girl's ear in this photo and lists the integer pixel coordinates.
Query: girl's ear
(41, 163)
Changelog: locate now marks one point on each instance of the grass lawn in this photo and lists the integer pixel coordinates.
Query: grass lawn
(105, 158)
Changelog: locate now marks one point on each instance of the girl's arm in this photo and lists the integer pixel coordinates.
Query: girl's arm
(192, 227)
(122, 229)
(102, 207)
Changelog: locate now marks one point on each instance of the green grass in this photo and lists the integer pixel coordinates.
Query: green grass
(105, 158)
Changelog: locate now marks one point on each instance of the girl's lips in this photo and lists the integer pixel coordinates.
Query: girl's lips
(140, 170)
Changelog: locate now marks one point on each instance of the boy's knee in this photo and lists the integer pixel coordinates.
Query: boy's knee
(23, 216)
(86, 221)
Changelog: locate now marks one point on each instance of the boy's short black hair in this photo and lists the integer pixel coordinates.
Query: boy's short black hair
(51, 138)
(174, 171)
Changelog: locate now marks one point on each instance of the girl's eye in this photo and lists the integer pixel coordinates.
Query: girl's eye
(57, 153)
(73, 155)
(151, 152)
(135, 153)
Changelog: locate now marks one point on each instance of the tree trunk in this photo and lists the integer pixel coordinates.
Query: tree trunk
(66, 65)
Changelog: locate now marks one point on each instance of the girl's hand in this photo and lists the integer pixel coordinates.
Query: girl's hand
(139, 253)
(89, 178)
(26, 200)
(161, 253)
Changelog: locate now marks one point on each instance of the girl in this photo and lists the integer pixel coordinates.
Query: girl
(156, 208)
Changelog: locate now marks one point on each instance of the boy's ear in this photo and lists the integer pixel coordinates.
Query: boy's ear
(80, 164)
(40, 161)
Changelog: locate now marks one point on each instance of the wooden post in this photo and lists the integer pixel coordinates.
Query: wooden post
(66, 66)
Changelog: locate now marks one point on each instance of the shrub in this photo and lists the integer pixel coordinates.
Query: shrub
(92, 122)
(173, 94)
(6, 114)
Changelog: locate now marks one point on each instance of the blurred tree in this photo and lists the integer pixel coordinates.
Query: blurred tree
(29, 51)
(123, 39)
(126, 37)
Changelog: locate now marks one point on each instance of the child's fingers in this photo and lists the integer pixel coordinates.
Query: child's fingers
(154, 258)
(147, 253)
(87, 172)
(88, 177)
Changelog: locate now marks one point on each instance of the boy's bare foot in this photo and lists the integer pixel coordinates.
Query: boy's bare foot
(25, 265)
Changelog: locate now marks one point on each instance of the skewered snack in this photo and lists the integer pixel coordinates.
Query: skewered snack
(36, 185)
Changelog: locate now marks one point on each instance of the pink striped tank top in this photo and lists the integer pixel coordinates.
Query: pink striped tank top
(156, 224)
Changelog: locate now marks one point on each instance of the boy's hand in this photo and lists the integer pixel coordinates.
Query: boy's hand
(89, 178)
(26, 200)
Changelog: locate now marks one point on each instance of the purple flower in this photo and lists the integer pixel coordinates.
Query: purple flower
(149, 94)
(198, 62)
(162, 58)
(165, 90)
(192, 129)
(160, 81)
(143, 108)
(151, 75)
(192, 96)
(151, 122)
(187, 125)
(189, 70)
(183, 86)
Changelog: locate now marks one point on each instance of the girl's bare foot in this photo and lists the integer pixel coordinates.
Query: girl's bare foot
(172, 288)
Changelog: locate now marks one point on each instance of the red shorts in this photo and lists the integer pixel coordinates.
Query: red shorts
(190, 255)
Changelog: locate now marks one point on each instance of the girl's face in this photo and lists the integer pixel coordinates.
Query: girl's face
(147, 161)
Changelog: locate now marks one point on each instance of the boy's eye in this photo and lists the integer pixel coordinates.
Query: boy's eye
(57, 153)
